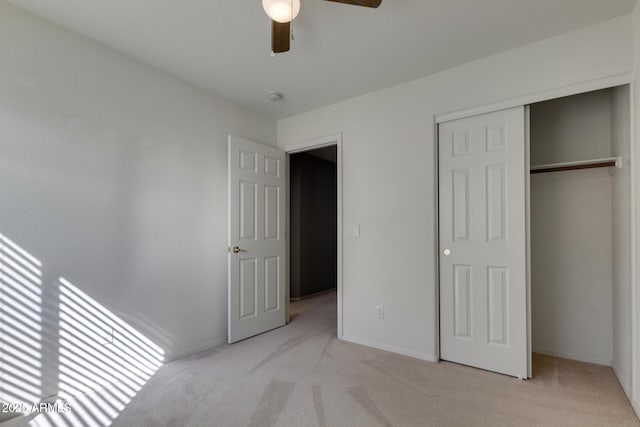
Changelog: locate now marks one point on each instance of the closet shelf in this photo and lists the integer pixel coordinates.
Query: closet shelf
(582, 164)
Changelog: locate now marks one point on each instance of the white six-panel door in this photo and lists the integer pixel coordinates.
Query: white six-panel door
(256, 238)
(483, 315)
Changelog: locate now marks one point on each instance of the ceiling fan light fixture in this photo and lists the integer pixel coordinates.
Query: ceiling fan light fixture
(281, 10)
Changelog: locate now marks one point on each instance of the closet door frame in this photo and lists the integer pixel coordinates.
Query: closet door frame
(526, 100)
(527, 219)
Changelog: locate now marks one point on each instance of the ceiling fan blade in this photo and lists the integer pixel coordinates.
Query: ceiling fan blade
(280, 36)
(365, 3)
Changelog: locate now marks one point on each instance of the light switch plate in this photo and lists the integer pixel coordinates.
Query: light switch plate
(352, 230)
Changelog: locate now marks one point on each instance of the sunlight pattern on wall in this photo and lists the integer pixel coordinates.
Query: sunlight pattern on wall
(20, 325)
(103, 362)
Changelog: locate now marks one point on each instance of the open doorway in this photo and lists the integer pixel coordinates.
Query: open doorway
(313, 229)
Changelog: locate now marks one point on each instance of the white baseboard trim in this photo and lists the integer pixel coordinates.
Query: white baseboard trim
(636, 407)
(575, 357)
(195, 350)
(392, 349)
(626, 386)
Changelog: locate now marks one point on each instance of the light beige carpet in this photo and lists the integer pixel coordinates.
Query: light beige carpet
(301, 375)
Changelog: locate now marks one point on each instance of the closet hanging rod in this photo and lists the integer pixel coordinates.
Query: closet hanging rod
(582, 164)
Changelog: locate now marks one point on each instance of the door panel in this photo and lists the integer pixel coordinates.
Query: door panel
(256, 224)
(462, 217)
(272, 212)
(497, 306)
(496, 202)
(462, 301)
(482, 229)
(272, 291)
(248, 212)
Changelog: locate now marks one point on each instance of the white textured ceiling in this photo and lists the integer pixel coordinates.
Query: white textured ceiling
(339, 51)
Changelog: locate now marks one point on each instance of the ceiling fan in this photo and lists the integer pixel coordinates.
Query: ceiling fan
(282, 12)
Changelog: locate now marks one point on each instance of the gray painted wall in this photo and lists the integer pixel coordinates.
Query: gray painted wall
(313, 225)
(388, 159)
(114, 176)
(571, 128)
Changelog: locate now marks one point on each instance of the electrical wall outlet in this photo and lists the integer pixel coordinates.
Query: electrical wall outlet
(380, 311)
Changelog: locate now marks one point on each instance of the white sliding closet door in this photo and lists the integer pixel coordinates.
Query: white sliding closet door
(483, 305)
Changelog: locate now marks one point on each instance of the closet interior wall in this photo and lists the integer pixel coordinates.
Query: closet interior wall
(580, 228)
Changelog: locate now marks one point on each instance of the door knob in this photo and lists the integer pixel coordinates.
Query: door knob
(236, 249)
(446, 252)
